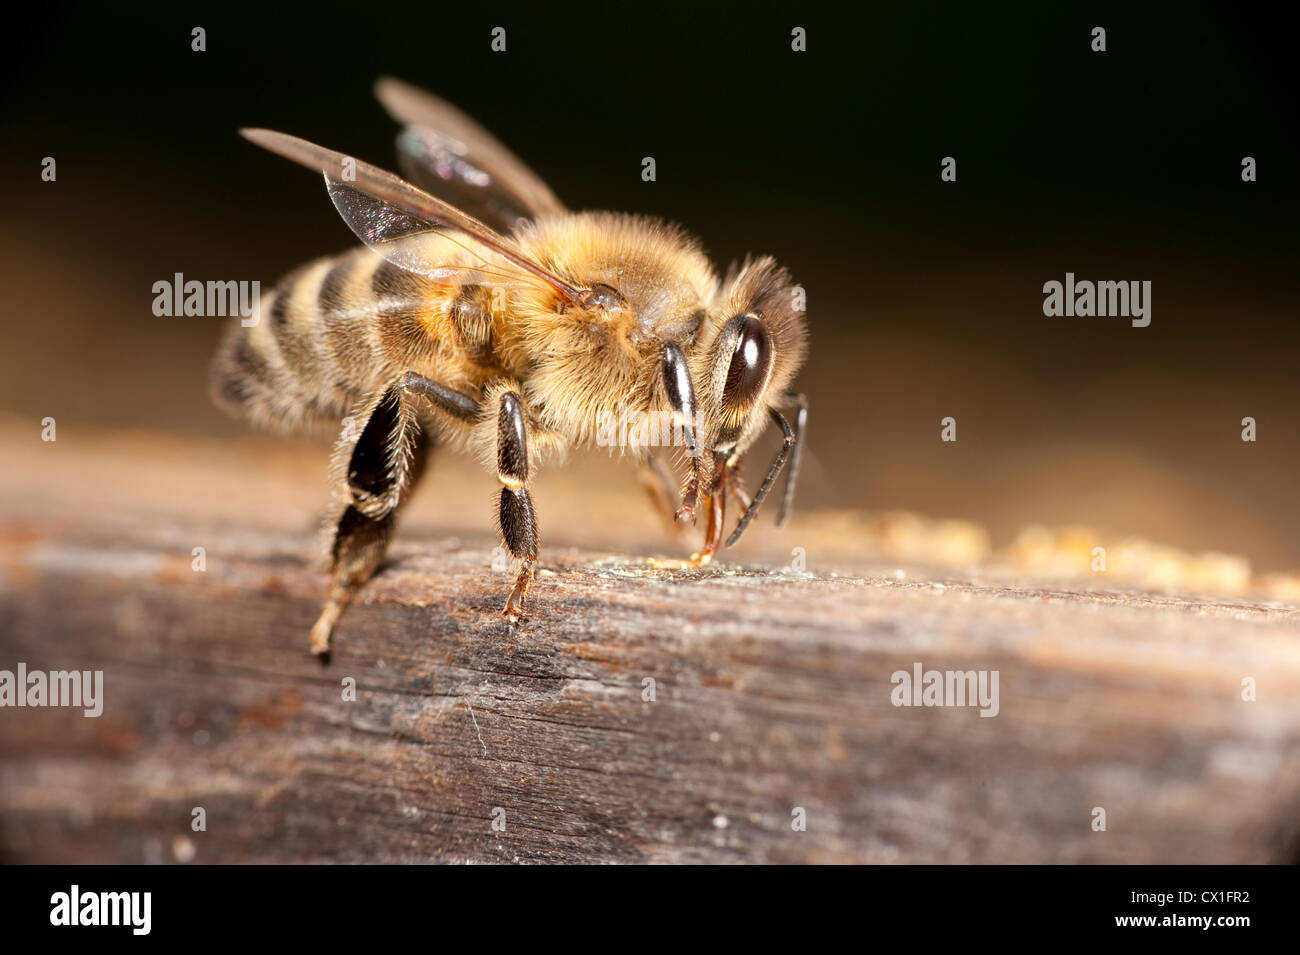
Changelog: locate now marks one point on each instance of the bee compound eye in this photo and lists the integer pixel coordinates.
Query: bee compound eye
(750, 359)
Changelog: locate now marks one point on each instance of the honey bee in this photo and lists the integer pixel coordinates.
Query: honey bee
(507, 333)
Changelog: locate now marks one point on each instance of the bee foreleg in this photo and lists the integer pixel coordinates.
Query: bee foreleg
(681, 397)
(715, 513)
(515, 515)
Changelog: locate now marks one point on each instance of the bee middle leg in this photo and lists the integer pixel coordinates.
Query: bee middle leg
(515, 515)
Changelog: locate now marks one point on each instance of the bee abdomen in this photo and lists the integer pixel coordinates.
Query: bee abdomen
(253, 380)
(332, 333)
(279, 372)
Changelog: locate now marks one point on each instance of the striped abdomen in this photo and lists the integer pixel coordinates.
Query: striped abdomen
(337, 330)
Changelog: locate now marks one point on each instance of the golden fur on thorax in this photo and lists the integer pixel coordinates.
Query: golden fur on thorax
(576, 365)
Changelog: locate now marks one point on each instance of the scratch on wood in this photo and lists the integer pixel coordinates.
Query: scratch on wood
(476, 729)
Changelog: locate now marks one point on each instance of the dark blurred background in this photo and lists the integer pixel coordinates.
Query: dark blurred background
(924, 297)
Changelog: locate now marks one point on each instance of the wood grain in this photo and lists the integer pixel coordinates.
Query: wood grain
(772, 690)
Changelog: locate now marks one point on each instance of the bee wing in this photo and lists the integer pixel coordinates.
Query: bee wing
(444, 151)
(383, 209)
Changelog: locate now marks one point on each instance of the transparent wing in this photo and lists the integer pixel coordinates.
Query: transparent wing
(392, 233)
(439, 255)
(434, 163)
(384, 210)
(447, 153)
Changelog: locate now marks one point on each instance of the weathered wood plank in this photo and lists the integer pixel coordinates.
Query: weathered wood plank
(772, 691)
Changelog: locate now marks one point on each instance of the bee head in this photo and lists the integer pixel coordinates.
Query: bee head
(757, 347)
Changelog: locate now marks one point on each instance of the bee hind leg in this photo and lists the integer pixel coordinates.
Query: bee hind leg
(377, 470)
(360, 543)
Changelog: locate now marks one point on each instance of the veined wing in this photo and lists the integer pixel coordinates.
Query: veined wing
(448, 154)
(383, 209)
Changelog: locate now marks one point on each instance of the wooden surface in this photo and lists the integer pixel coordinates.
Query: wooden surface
(772, 687)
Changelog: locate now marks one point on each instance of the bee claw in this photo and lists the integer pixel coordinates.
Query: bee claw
(513, 611)
(514, 608)
(323, 628)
